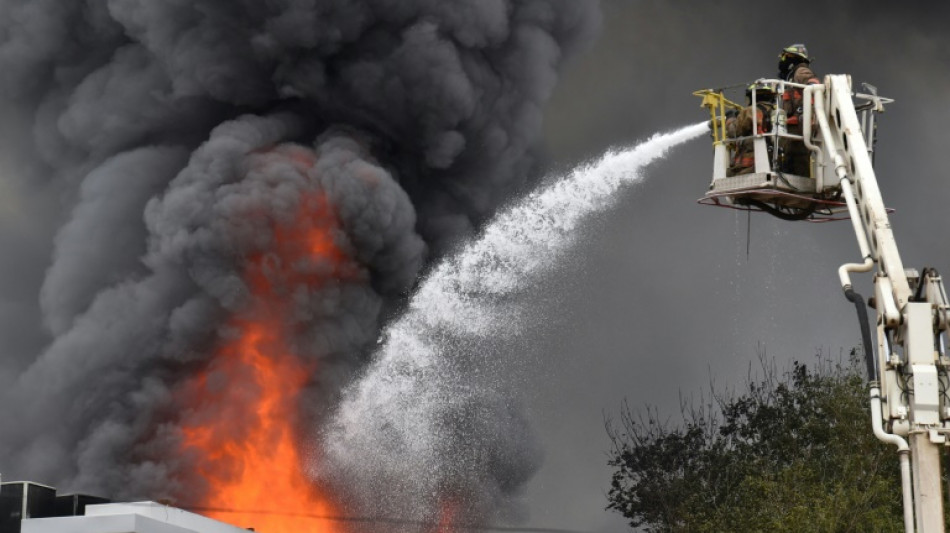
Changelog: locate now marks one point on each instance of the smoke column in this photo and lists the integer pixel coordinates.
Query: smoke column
(428, 425)
(217, 165)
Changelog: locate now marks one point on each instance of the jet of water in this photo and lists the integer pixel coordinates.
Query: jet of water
(403, 428)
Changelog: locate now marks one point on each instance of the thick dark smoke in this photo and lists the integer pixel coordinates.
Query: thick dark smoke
(170, 135)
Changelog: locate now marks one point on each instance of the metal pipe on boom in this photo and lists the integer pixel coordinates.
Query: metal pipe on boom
(816, 92)
(903, 454)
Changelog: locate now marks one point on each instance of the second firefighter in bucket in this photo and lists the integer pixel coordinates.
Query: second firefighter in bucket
(751, 120)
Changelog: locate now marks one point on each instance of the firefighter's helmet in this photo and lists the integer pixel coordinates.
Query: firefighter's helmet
(795, 51)
(791, 56)
(763, 92)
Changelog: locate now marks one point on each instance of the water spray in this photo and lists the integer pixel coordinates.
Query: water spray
(389, 432)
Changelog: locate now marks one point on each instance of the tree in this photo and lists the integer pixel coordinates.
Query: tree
(793, 452)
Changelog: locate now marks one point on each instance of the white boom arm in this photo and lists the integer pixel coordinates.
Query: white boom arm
(909, 381)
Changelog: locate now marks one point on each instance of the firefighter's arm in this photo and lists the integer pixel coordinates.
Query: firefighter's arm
(744, 122)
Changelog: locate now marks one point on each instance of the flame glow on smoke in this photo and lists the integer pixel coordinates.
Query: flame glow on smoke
(450, 511)
(243, 427)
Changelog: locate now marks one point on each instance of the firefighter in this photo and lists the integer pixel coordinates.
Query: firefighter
(743, 160)
(794, 66)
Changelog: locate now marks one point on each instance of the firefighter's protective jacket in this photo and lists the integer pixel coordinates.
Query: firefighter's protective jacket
(794, 155)
(792, 99)
(744, 156)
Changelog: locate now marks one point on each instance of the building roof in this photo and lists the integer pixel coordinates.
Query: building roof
(137, 517)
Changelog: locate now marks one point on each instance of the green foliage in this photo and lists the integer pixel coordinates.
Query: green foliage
(793, 452)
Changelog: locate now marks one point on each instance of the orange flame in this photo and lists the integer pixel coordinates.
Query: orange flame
(241, 427)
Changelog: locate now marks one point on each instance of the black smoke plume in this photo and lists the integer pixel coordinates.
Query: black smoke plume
(159, 138)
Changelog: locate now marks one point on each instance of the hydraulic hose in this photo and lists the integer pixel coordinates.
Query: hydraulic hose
(862, 310)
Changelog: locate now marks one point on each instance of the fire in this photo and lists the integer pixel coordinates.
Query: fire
(242, 426)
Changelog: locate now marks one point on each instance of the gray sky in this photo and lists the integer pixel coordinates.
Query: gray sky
(661, 297)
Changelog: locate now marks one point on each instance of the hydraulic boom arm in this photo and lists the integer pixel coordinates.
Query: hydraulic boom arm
(909, 377)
